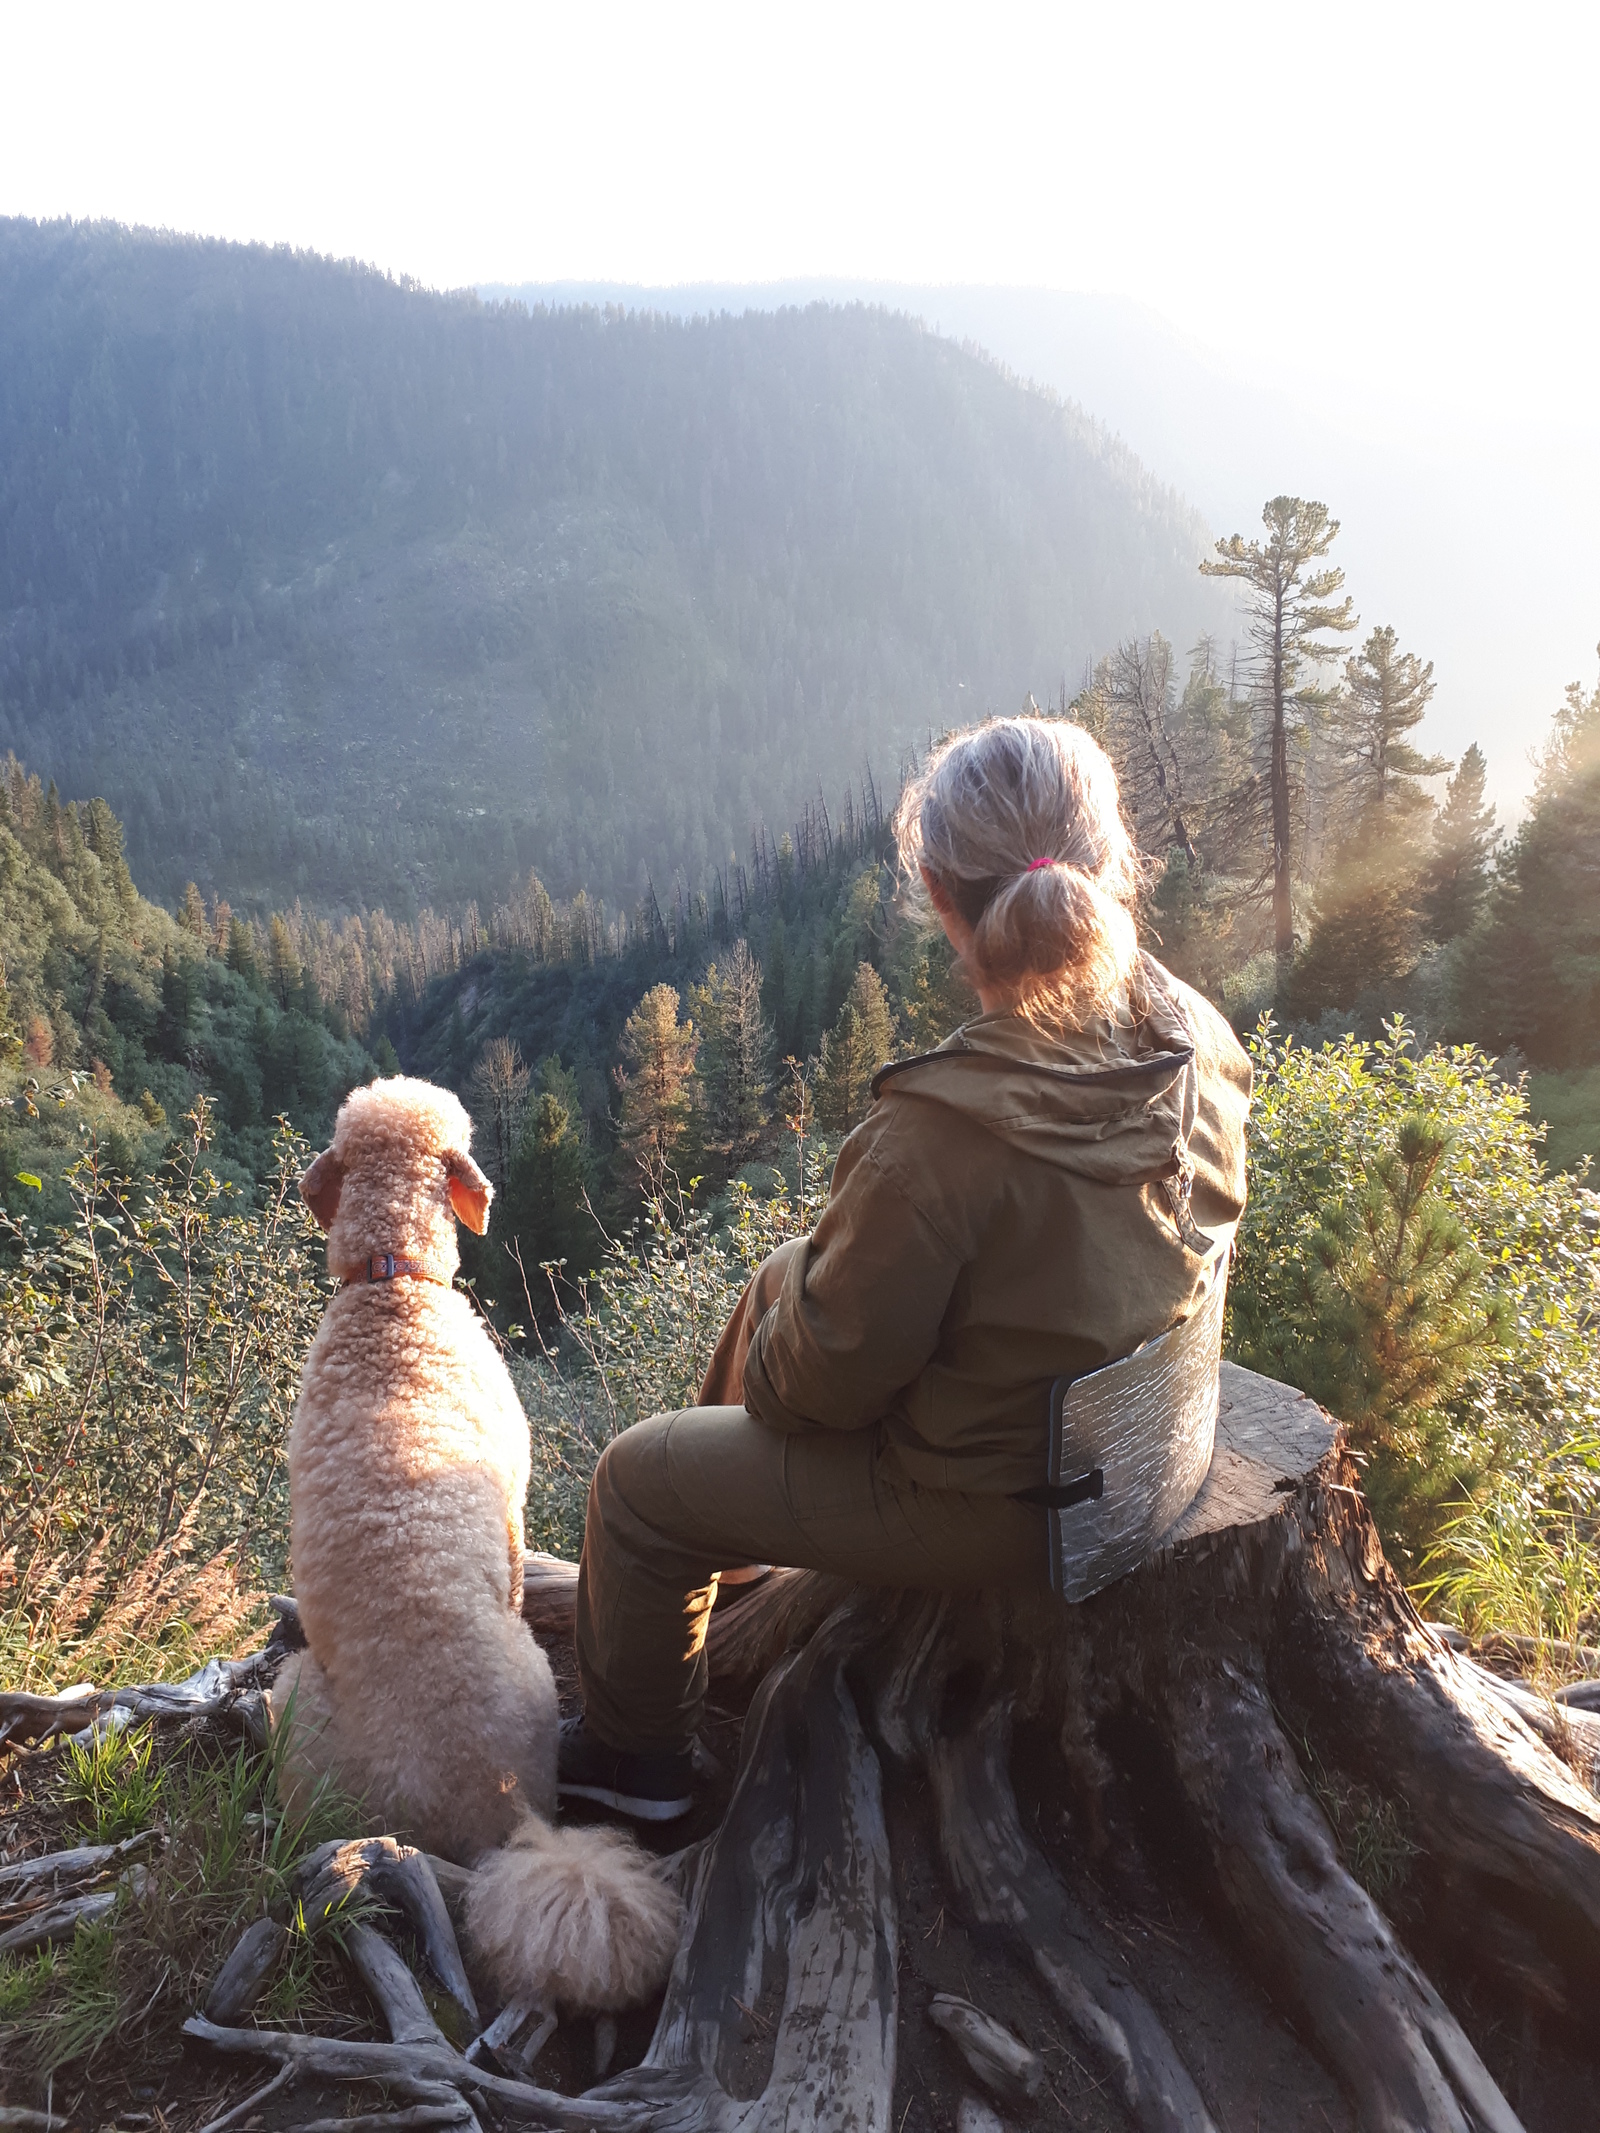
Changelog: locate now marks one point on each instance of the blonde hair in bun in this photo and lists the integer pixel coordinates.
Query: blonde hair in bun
(991, 804)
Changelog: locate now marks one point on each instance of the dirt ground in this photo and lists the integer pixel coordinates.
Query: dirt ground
(1150, 1912)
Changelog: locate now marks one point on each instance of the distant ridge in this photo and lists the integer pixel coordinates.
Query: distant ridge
(1417, 487)
(341, 589)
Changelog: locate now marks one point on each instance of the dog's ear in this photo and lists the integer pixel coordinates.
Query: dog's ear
(321, 1186)
(470, 1193)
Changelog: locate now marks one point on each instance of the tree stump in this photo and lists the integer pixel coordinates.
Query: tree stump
(1259, 1708)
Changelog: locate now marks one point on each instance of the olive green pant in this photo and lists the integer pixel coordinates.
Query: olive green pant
(683, 1496)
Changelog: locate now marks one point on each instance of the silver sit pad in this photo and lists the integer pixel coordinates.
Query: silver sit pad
(1134, 1441)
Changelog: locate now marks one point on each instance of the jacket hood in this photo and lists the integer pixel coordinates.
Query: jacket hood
(1114, 1101)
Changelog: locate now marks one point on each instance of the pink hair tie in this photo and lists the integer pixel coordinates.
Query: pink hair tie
(1036, 864)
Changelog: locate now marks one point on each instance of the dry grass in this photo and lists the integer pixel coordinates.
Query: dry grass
(66, 1619)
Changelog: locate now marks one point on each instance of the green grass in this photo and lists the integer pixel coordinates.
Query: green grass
(1570, 1106)
(113, 1785)
(223, 1853)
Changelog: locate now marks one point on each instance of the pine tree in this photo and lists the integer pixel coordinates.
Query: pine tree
(1397, 1309)
(1292, 610)
(1367, 929)
(1386, 695)
(1532, 972)
(861, 1039)
(1464, 838)
(192, 918)
(1136, 685)
(657, 1058)
(175, 1022)
(934, 994)
(283, 961)
(545, 1206)
(242, 953)
(1364, 933)
(734, 1063)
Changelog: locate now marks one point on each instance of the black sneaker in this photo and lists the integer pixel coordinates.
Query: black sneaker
(649, 1788)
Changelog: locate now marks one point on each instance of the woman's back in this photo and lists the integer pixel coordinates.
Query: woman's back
(1013, 1210)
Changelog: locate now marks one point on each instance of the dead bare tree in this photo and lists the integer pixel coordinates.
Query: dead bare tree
(1137, 684)
(499, 1097)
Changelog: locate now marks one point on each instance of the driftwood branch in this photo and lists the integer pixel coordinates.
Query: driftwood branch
(341, 2059)
(26, 1879)
(214, 1690)
(60, 1921)
(237, 2113)
(457, 2112)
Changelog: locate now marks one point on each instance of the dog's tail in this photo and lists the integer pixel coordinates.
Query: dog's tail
(576, 1919)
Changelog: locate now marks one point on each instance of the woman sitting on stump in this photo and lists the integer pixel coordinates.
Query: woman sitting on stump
(1030, 1201)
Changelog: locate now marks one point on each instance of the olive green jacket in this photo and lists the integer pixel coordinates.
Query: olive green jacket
(1015, 1207)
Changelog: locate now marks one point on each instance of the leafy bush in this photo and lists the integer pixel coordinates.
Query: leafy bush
(1406, 1259)
(636, 1337)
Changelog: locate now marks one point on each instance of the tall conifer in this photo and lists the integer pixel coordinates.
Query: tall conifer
(859, 1042)
(1292, 610)
(734, 1062)
(1464, 838)
(657, 1057)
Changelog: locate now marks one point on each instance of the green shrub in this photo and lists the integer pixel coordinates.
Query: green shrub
(636, 1337)
(1406, 1259)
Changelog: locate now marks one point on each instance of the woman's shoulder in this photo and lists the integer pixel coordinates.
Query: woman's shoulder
(1217, 1051)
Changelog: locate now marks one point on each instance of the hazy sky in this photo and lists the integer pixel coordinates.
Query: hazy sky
(1388, 213)
(1402, 195)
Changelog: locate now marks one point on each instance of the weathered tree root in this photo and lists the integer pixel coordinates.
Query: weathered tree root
(399, 1875)
(1329, 1950)
(1006, 2068)
(245, 1975)
(798, 1876)
(1004, 1880)
(1508, 1837)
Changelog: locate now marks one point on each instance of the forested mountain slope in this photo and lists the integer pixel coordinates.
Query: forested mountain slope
(340, 589)
(115, 1016)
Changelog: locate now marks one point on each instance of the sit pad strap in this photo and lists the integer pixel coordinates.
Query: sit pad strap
(1088, 1488)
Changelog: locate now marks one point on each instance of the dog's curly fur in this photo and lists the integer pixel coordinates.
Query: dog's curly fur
(423, 1693)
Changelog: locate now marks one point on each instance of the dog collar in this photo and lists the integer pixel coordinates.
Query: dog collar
(384, 1266)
